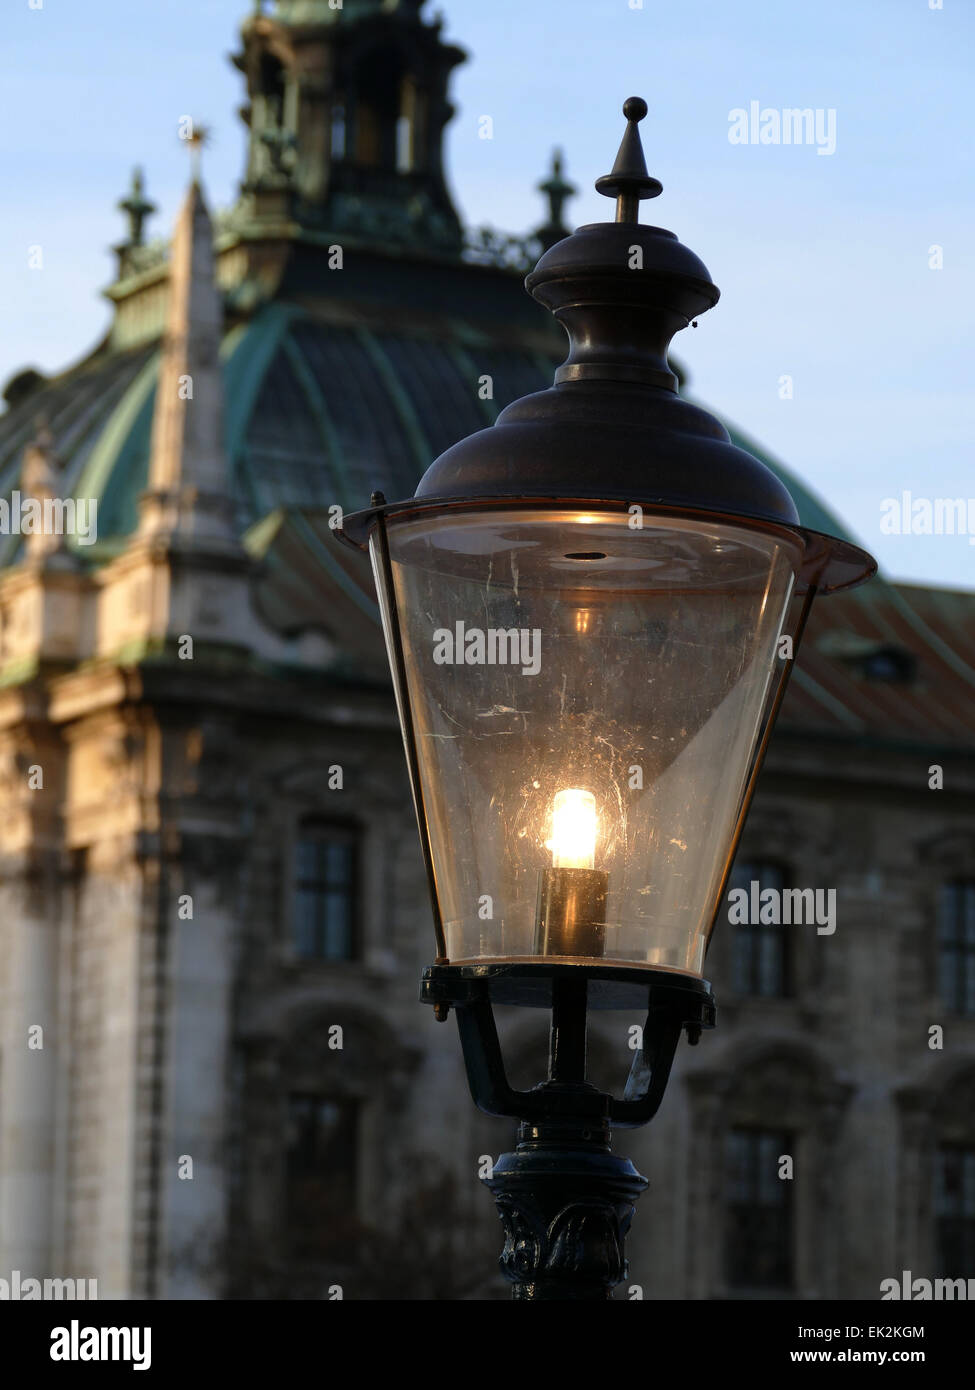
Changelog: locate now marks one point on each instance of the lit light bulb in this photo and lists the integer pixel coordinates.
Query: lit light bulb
(573, 842)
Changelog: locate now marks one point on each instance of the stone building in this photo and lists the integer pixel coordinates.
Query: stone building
(215, 1079)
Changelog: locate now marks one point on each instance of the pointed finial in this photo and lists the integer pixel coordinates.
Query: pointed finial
(198, 135)
(557, 190)
(136, 208)
(629, 181)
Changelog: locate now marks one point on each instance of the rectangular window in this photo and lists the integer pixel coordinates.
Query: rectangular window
(321, 1171)
(325, 894)
(338, 132)
(758, 1211)
(954, 1207)
(760, 952)
(956, 946)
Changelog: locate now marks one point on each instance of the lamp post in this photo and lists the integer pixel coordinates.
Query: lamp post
(591, 610)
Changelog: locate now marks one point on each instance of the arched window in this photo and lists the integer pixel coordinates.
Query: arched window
(326, 891)
(374, 127)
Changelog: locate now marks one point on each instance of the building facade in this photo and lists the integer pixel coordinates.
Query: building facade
(215, 1079)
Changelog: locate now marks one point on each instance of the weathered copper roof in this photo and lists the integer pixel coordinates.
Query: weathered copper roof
(343, 382)
(326, 400)
(891, 663)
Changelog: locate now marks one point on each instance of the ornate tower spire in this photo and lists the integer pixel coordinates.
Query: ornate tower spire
(557, 190)
(137, 208)
(188, 491)
(347, 108)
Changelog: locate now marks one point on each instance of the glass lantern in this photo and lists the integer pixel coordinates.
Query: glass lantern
(585, 691)
(583, 606)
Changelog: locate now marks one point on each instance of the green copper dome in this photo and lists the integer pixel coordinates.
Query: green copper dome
(317, 412)
(358, 344)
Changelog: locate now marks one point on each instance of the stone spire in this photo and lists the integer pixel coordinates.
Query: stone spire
(188, 492)
(41, 479)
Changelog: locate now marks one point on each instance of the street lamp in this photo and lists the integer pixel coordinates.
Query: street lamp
(591, 611)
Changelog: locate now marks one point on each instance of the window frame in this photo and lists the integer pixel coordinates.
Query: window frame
(294, 1208)
(784, 1142)
(322, 829)
(966, 1217)
(956, 943)
(755, 932)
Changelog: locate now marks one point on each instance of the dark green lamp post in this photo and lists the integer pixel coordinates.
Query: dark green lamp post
(585, 607)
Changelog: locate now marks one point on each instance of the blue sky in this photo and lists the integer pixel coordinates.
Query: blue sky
(823, 260)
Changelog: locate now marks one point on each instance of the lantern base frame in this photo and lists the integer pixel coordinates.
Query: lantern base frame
(673, 1002)
(564, 1199)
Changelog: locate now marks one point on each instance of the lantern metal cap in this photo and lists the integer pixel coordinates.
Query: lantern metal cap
(612, 429)
(629, 181)
(622, 289)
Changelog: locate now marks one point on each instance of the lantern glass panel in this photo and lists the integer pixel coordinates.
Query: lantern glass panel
(586, 696)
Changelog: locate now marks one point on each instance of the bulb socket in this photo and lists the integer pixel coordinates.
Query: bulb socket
(571, 915)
